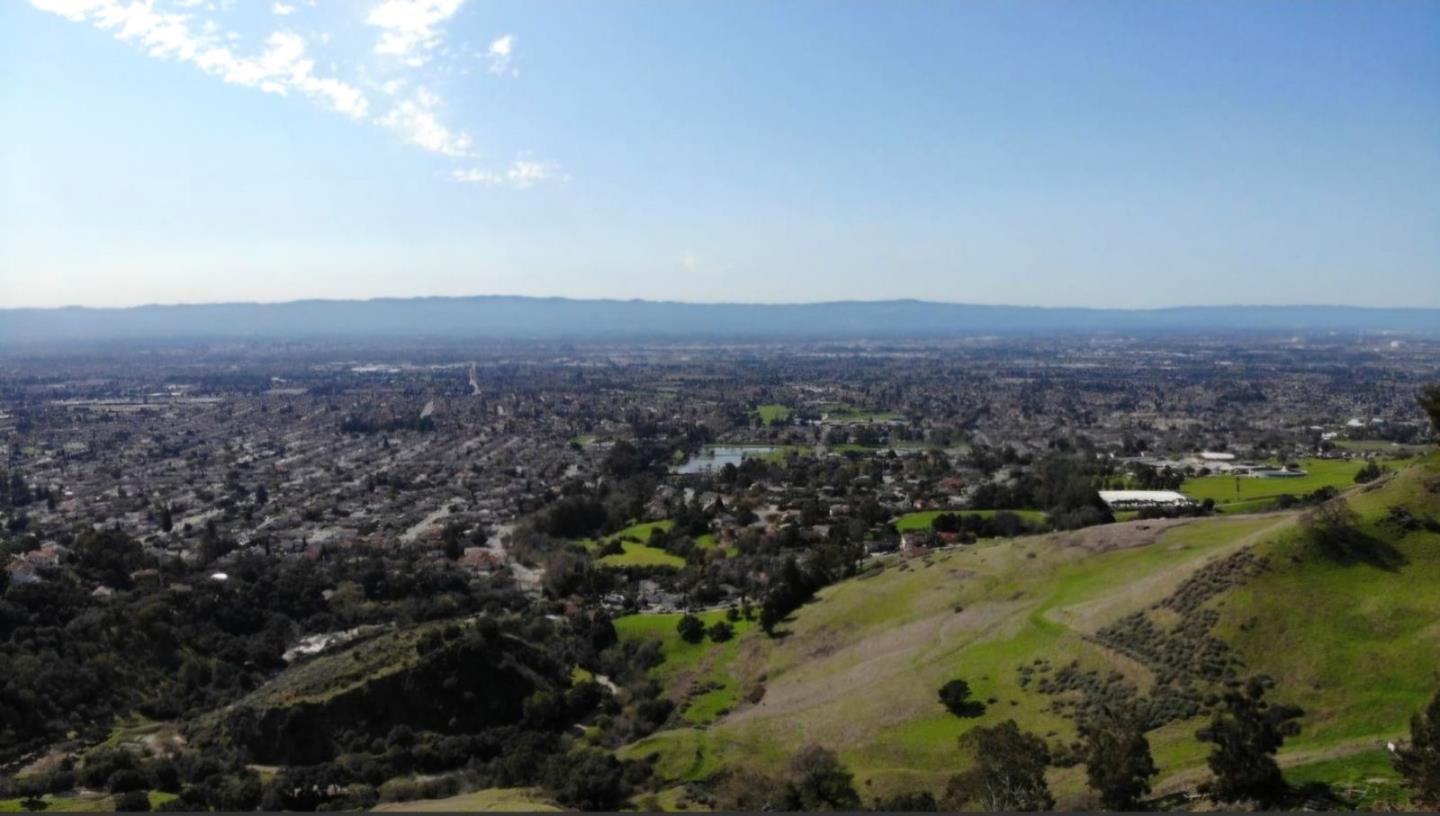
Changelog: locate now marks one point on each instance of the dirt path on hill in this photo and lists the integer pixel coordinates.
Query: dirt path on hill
(1090, 616)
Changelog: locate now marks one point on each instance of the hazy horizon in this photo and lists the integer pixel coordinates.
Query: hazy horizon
(1115, 154)
(736, 302)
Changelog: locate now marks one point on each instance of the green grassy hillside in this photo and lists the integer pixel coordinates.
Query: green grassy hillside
(858, 669)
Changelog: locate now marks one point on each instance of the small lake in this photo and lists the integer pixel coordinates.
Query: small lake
(715, 458)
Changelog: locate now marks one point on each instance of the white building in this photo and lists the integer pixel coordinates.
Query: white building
(1137, 499)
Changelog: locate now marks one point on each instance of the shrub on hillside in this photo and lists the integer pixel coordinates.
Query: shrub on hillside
(955, 696)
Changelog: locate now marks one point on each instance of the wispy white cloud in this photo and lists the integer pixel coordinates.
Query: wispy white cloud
(415, 119)
(189, 33)
(522, 174)
(282, 68)
(499, 54)
(410, 29)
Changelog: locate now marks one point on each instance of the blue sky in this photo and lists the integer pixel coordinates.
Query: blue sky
(1099, 153)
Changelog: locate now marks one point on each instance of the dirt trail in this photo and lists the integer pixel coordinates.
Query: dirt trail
(1090, 616)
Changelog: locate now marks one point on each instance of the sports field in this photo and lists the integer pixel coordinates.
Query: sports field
(1245, 494)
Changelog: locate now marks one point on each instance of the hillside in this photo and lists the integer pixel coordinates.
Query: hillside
(448, 678)
(859, 668)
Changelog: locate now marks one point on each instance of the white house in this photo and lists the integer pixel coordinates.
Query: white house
(1137, 499)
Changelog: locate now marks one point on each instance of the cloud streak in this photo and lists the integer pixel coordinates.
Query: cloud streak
(522, 174)
(282, 68)
(411, 30)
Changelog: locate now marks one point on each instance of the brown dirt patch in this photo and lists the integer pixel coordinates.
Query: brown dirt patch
(1123, 536)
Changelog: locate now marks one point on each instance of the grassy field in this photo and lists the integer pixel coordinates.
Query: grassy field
(848, 414)
(858, 669)
(1244, 494)
(490, 800)
(782, 453)
(704, 665)
(642, 555)
(922, 519)
(773, 413)
(636, 552)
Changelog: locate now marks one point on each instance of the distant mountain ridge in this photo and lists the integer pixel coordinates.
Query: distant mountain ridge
(517, 317)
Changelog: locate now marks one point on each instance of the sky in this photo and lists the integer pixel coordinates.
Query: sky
(1131, 154)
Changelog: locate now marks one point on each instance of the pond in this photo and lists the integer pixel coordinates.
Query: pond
(718, 457)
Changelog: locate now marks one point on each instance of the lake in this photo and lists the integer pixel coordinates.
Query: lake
(718, 457)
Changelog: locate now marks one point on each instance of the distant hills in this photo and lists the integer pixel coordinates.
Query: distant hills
(506, 317)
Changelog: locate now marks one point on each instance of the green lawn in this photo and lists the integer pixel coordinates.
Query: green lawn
(921, 520)
(642, 555)
(1245, 494)
(636, 552)
(709, 542)
(773, 413)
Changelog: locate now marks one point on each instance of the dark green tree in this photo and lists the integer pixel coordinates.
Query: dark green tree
(720, 631)
(691, 628)
(587, 779)
(772, 611)
(1008, 774)
(955, 695)
(132, 802)
(819, 782)
(1117, 757)
(1419, 759)
(1247, 732)
(1429, 399)
(1368, 473)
